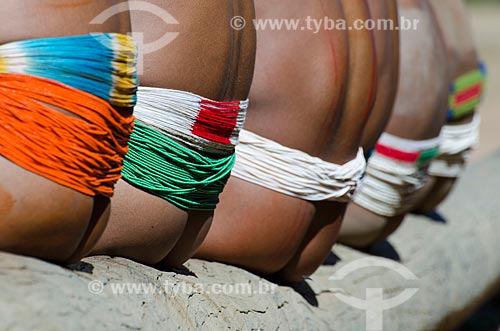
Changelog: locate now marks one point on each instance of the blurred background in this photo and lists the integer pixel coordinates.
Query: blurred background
(485, 18)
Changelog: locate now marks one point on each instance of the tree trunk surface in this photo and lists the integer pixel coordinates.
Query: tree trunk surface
(453, 267)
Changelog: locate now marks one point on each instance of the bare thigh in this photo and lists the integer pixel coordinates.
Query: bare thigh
(39, 217)
(423, 59)
(360, 97)
(207, 58)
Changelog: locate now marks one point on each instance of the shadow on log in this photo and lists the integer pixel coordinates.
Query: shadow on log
(456, 265)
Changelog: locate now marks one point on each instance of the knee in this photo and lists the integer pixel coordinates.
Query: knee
(148, 256)
(142, 227)
(175, 258)
(270, 266)
(195, 232)
(259, 260)
(95, 228)
(265, 266)
(40, 218)
(48, 237)
(145, 253)
(261, 255)
(362, 228)
(151, 254)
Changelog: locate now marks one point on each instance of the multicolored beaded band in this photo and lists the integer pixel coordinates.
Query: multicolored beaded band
(395, 172)
(407, 151)
(101, 64)
(465, 93)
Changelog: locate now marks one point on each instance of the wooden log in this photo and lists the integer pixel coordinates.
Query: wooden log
(457, 267)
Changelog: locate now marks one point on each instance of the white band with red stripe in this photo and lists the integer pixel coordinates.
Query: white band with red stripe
(407, 145)
(200, 123)
(458, 141)
(394, 175)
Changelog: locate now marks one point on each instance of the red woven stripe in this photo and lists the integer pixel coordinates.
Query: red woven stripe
(397, 154)
(216, 120)
(221, 103)
(468, 94)
(217, 109)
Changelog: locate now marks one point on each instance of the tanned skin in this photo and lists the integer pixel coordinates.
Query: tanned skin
(388, 52)
(39, 217)
(387, 48)
(462, 59)
(419, 111)
(208, 58)
(310, 93)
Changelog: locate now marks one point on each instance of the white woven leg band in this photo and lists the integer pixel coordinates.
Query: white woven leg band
(457, 143)
(390, 185)
(266, 163)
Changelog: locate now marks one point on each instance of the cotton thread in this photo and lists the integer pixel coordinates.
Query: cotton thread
(165, 168)
(78, 74)
(101, 64)
(84, 153)
(203, 124)
(466, 92)
(458, 141)
(395, 172)
(279, 168)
